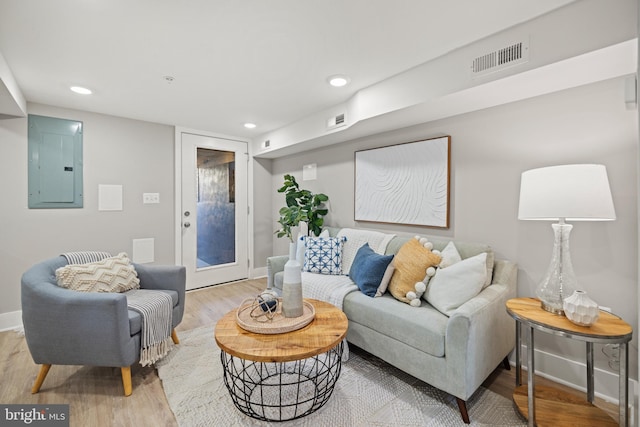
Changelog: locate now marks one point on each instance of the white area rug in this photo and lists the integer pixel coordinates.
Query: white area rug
(369, 393)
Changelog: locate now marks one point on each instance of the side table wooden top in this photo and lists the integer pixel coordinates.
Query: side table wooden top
(326, 331)
(607, 326)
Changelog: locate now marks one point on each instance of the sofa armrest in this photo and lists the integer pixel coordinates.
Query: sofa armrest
(480, 333)
(275, 264)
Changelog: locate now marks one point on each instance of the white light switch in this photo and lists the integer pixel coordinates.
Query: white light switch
(150, 198)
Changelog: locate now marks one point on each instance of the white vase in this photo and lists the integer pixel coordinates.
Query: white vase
(581, 309)
(292, 286)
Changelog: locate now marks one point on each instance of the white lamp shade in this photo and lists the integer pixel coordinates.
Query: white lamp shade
(571, 192)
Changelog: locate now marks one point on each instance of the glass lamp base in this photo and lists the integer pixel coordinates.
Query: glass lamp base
(560, 281)
(552, 309)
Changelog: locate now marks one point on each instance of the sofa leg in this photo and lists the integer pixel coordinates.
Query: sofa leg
(462, 405)
(44, 370)
(506, 364)
(174, 337)
(126, 380)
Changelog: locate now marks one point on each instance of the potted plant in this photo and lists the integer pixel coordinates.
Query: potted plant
(302, 206)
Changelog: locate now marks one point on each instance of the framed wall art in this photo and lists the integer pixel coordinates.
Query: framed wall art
(405, 183)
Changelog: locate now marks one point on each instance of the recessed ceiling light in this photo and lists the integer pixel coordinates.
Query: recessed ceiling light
(81, 90)
(338, 80)
(250, 125)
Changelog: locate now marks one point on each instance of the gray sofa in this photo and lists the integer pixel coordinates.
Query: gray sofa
(66, 327)
(454, 354)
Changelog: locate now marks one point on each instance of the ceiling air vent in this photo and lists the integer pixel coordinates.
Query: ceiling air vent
(336, 121)
(516, 53)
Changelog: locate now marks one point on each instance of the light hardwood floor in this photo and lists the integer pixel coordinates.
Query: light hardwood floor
(95, 394)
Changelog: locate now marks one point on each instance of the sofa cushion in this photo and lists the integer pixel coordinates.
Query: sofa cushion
(323, 256)
(453, 286)
(135, 320)
(114, 274)
(423, 327)
(411, 263)
(368, 269)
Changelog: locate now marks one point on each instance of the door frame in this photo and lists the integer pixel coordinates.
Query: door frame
(177, 175)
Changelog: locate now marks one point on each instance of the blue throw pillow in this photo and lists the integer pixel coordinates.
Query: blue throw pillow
(368, 269)
(323, 256)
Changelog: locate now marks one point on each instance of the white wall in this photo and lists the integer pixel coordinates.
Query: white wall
(490, 149)
(135, 154)
(263, 222)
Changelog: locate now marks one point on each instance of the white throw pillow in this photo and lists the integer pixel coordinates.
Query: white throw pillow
(386, 278)
(453, 286)
(449, 256)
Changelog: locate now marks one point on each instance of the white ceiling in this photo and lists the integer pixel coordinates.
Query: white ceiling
(233, 60)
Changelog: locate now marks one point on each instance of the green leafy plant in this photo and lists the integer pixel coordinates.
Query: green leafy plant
(302, 206)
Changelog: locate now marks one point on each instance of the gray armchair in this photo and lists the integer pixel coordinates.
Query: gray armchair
(66, 327)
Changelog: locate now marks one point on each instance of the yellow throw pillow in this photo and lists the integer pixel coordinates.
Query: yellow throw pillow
(411, 264)
(114, 274)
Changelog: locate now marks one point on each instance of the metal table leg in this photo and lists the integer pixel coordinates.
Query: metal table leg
(590, 371)
(624, 384)
(518, 356)
(530, 378)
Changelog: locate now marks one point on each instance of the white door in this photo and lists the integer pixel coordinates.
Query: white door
(214, 210)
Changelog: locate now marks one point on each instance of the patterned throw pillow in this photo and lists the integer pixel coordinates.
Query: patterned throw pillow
(323, 256)
(114, 274)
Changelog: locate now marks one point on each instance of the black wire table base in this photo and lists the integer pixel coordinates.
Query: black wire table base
(281, 391)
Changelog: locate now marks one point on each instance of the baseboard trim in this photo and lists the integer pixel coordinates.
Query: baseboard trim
(573, 374)
(258, 273)
(11, 320)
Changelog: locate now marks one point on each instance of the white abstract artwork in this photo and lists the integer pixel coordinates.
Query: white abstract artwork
(404, 184)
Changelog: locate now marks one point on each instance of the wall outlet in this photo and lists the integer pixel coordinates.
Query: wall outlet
(150, 198)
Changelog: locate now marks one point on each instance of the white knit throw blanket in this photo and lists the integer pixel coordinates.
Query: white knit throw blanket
(356, 239)
(156, 310)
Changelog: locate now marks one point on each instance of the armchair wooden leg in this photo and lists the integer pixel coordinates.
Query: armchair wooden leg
(126, 379)
(44, 370)
(174, 337)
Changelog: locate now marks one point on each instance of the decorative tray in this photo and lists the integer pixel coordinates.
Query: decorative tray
(259, 323)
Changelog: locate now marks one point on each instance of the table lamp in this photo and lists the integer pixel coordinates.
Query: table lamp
(564, 193)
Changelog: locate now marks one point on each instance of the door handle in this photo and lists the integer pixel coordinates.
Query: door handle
(187, 224)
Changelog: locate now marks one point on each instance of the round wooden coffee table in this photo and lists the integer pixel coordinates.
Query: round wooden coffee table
(279, 377)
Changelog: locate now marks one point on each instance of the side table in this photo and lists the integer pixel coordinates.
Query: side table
(556, 406)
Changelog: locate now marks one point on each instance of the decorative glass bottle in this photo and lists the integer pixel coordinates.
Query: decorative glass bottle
(292, 286)
(581, 309)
